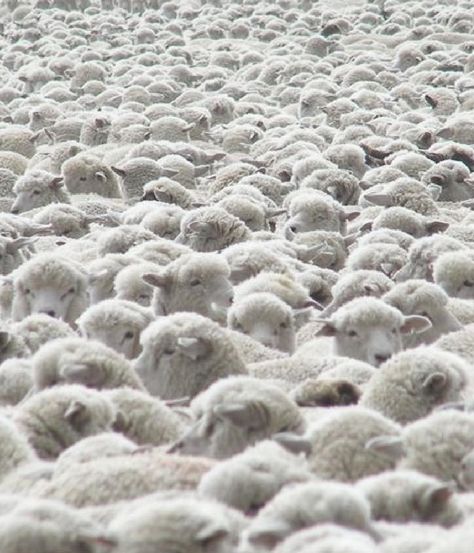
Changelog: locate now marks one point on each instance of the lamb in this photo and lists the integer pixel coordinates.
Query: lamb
(413, 383)
(309, 504)
(418, 297)
(194, 282)
(137, 172)
(51, 285)
(116, 323)
(454, 272)
(85, 173)
(81, 361)
(405, 496)
(266, 318)
(37, 188)
(144, 419)
(56, 418)
(337, 444)
(367, 329)
(248, 480)
(208, 229)
(183, 353)
(236, 412)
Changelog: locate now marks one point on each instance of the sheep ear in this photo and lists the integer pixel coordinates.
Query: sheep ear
(217, 156)
(17, 243)
(293, 442)
(168, 172)
(436, 226)
(211, 533)
(310, 303)
(4, 339)
(56, 182)
(100, 175)
(80, 373)
(430, 100)
(391, 446)
(268, 534)
(94, 277)
(74, 413)
(328, 328)
(201, 170)
(155, 279)
(351, 239)
(350, 215)
(251, 415)
(204, 228)
(379, 199)
(438, 180)
(118, 171)
(194, 348)
(415, 324)
(435, 498)
(434, 190)
(274, 212)
(434, 383)
(100, 122)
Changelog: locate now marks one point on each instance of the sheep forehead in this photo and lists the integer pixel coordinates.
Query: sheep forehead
(50, 272)
(202, 265)
(367, 312)
(259, 307)
(105, 319)
(416, 293)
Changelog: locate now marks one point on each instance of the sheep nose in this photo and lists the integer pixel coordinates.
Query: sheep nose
(381, 358)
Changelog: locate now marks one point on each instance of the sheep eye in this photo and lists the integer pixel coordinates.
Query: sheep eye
(36, 192)
(128, 335)
(352, 333)
(27, 291)
(143, 297)
(424, 314)
(195, 282)
(82, 179)
(168, 351)
(71, 291)
(284, 324)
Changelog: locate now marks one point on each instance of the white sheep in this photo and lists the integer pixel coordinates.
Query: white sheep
(454, 272)
(266, 318)
(183, 353)
(137, 172)
(37, 188)
(413, 383)
(49, 284)
(236, 412)
(116, 323)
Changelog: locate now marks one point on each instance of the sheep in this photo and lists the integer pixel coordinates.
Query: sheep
(309, 504)
(236, 412)
(367, 329)
(328, 538)
(454, 273)
(454, 179)
(17, 139)
(422, 254)
(194, 282)
(116, 323)
(51, 285)
(37, 188)
(337, 443)
(102, 272)
(15, 381)
(122, 238)
(266, 318)
(418, 297)
(125, 477)
(137, 172)
(325, 392)
(248, 480)
(314, 210)
(357, 284)
(81, 361)
(56, 418)
(168, 191)
(406, 220)
(459, 342)
(144, 419)
(183, 353)
(130, 286)
(404, 495)
(209, 229)
(386, 258)
(343, 186)
(16, 451)
(84, 174)
(413, 383)
(207, 525)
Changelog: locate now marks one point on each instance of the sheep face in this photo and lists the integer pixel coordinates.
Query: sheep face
(122, 338)
(48, 300)
(35, 192)
(369, 330)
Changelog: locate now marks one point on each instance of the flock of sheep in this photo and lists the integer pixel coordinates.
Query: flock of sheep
(237, 291)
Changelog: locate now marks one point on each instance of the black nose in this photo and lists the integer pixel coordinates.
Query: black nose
(381, 358)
